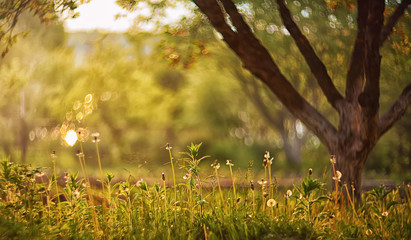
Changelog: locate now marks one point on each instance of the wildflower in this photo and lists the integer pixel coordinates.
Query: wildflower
(333, 159)
(271, 202)
(163, 177)
(267, 155)
(96, 136)
(71, 137)
(310, 171)
(76, 194)
(384, 214)
(288, 193)
(67, 178)
(215, 165)
(229, 163)
(168, 147)
(264, 162)
(125, 188)
(139, 182)
(252, 185)
(338, 176)
(186, 176)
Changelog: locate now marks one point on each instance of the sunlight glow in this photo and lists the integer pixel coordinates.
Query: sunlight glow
(106, 15)
(71, 137)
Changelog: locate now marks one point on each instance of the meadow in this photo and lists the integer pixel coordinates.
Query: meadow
(34, 206)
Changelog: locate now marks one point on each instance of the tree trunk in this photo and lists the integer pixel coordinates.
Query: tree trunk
(351, 167)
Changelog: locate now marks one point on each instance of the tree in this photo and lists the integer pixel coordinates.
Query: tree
(11, 11)
(360, 124)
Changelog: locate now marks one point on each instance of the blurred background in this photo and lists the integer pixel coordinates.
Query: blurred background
(177, 83)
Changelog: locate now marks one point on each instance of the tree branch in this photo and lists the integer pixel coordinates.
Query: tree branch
(396, 111)
(355, 78)
(369, 99)
(316, 65)
(256, 98)
(258, 60)
(392, 20)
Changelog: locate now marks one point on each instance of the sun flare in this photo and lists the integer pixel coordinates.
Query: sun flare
(71, 137)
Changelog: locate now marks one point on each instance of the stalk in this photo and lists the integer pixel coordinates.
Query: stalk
(230, 164)
(96, 140)
(172, 168)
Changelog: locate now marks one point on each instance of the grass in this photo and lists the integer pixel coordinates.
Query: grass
(33, 206)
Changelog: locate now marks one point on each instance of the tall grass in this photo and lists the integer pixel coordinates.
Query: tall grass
(30, 206)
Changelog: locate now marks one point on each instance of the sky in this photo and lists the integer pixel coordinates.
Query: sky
(100, 15)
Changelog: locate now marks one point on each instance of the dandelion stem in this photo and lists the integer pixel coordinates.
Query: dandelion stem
(233, 181)
(99, 165)
(219, 188)
(172, 168)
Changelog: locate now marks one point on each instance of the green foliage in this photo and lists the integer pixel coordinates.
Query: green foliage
(123, 209)
(11, 10)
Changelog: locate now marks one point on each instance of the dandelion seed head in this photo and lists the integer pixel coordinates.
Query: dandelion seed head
(333, 160)
(80, 154)
(96, 136)
(271, 202)
(215, 165)
(337, 176)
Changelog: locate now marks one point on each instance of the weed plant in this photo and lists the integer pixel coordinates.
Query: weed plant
(34, 206)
